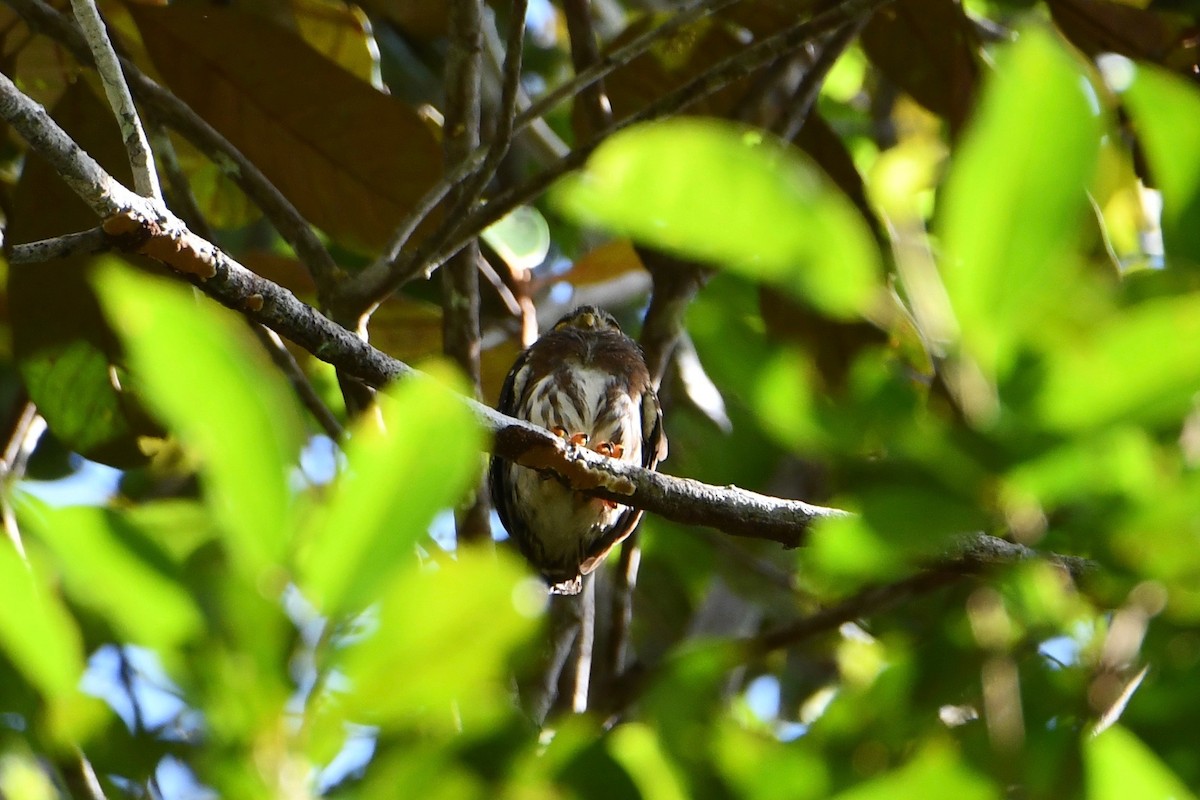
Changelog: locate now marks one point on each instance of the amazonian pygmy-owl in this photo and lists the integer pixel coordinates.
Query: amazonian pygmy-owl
(587, 382)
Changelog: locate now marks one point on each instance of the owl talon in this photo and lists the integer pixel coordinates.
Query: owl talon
(610, 449)
(579, 439)
(559, 431)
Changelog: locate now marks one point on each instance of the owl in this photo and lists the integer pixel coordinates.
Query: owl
(586, 381)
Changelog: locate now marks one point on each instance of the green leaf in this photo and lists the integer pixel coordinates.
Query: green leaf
(1120, 766)
(395, 479)
(935, 774)
(731, 196)
(1015, 197)
(439, 657)
(103, 572)
(636, 748)
(36, 630)
(1165, 110)
(1147, 360)
(209, 381)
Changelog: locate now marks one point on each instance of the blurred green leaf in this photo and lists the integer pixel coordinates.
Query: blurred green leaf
(210, 382)
(101, 571)
(1165, 110)
(635, 747)
(439, 657)
(1121, 766)
(935, 774)
(1115, 460)
(1144, 364)
(732, 196)
(393, 482)
(1010, 213)
(796, 771)
(36, 630)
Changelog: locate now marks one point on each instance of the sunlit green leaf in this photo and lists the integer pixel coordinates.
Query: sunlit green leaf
(635, 747)
(1010, 213)
(445, 635)
(1166, 115)
(1143, 364)
(731, 196)
(1121, 766)
(211, 384)
(393, 482)
(935, 774)
(36, 630)
(1116, 460)
(797, 772)
(103, 572)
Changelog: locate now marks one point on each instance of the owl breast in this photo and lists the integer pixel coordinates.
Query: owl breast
(587, 406)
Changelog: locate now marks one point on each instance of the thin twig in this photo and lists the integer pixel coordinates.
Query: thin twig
(619, 57)
(89, 242)
(87, 776)
(810, 85)
(22, 438)
(141, 160)
(301, 385)
(132, 223)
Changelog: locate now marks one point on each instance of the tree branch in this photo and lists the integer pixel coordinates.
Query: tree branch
(141, 159)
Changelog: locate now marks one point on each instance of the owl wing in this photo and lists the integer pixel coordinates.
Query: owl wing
(514, 388)
(654, 450)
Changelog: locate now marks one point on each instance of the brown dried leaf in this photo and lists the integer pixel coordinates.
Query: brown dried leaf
(352, 159)
(604, 263)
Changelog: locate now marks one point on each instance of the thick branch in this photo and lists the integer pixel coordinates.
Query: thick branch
(132, 226)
